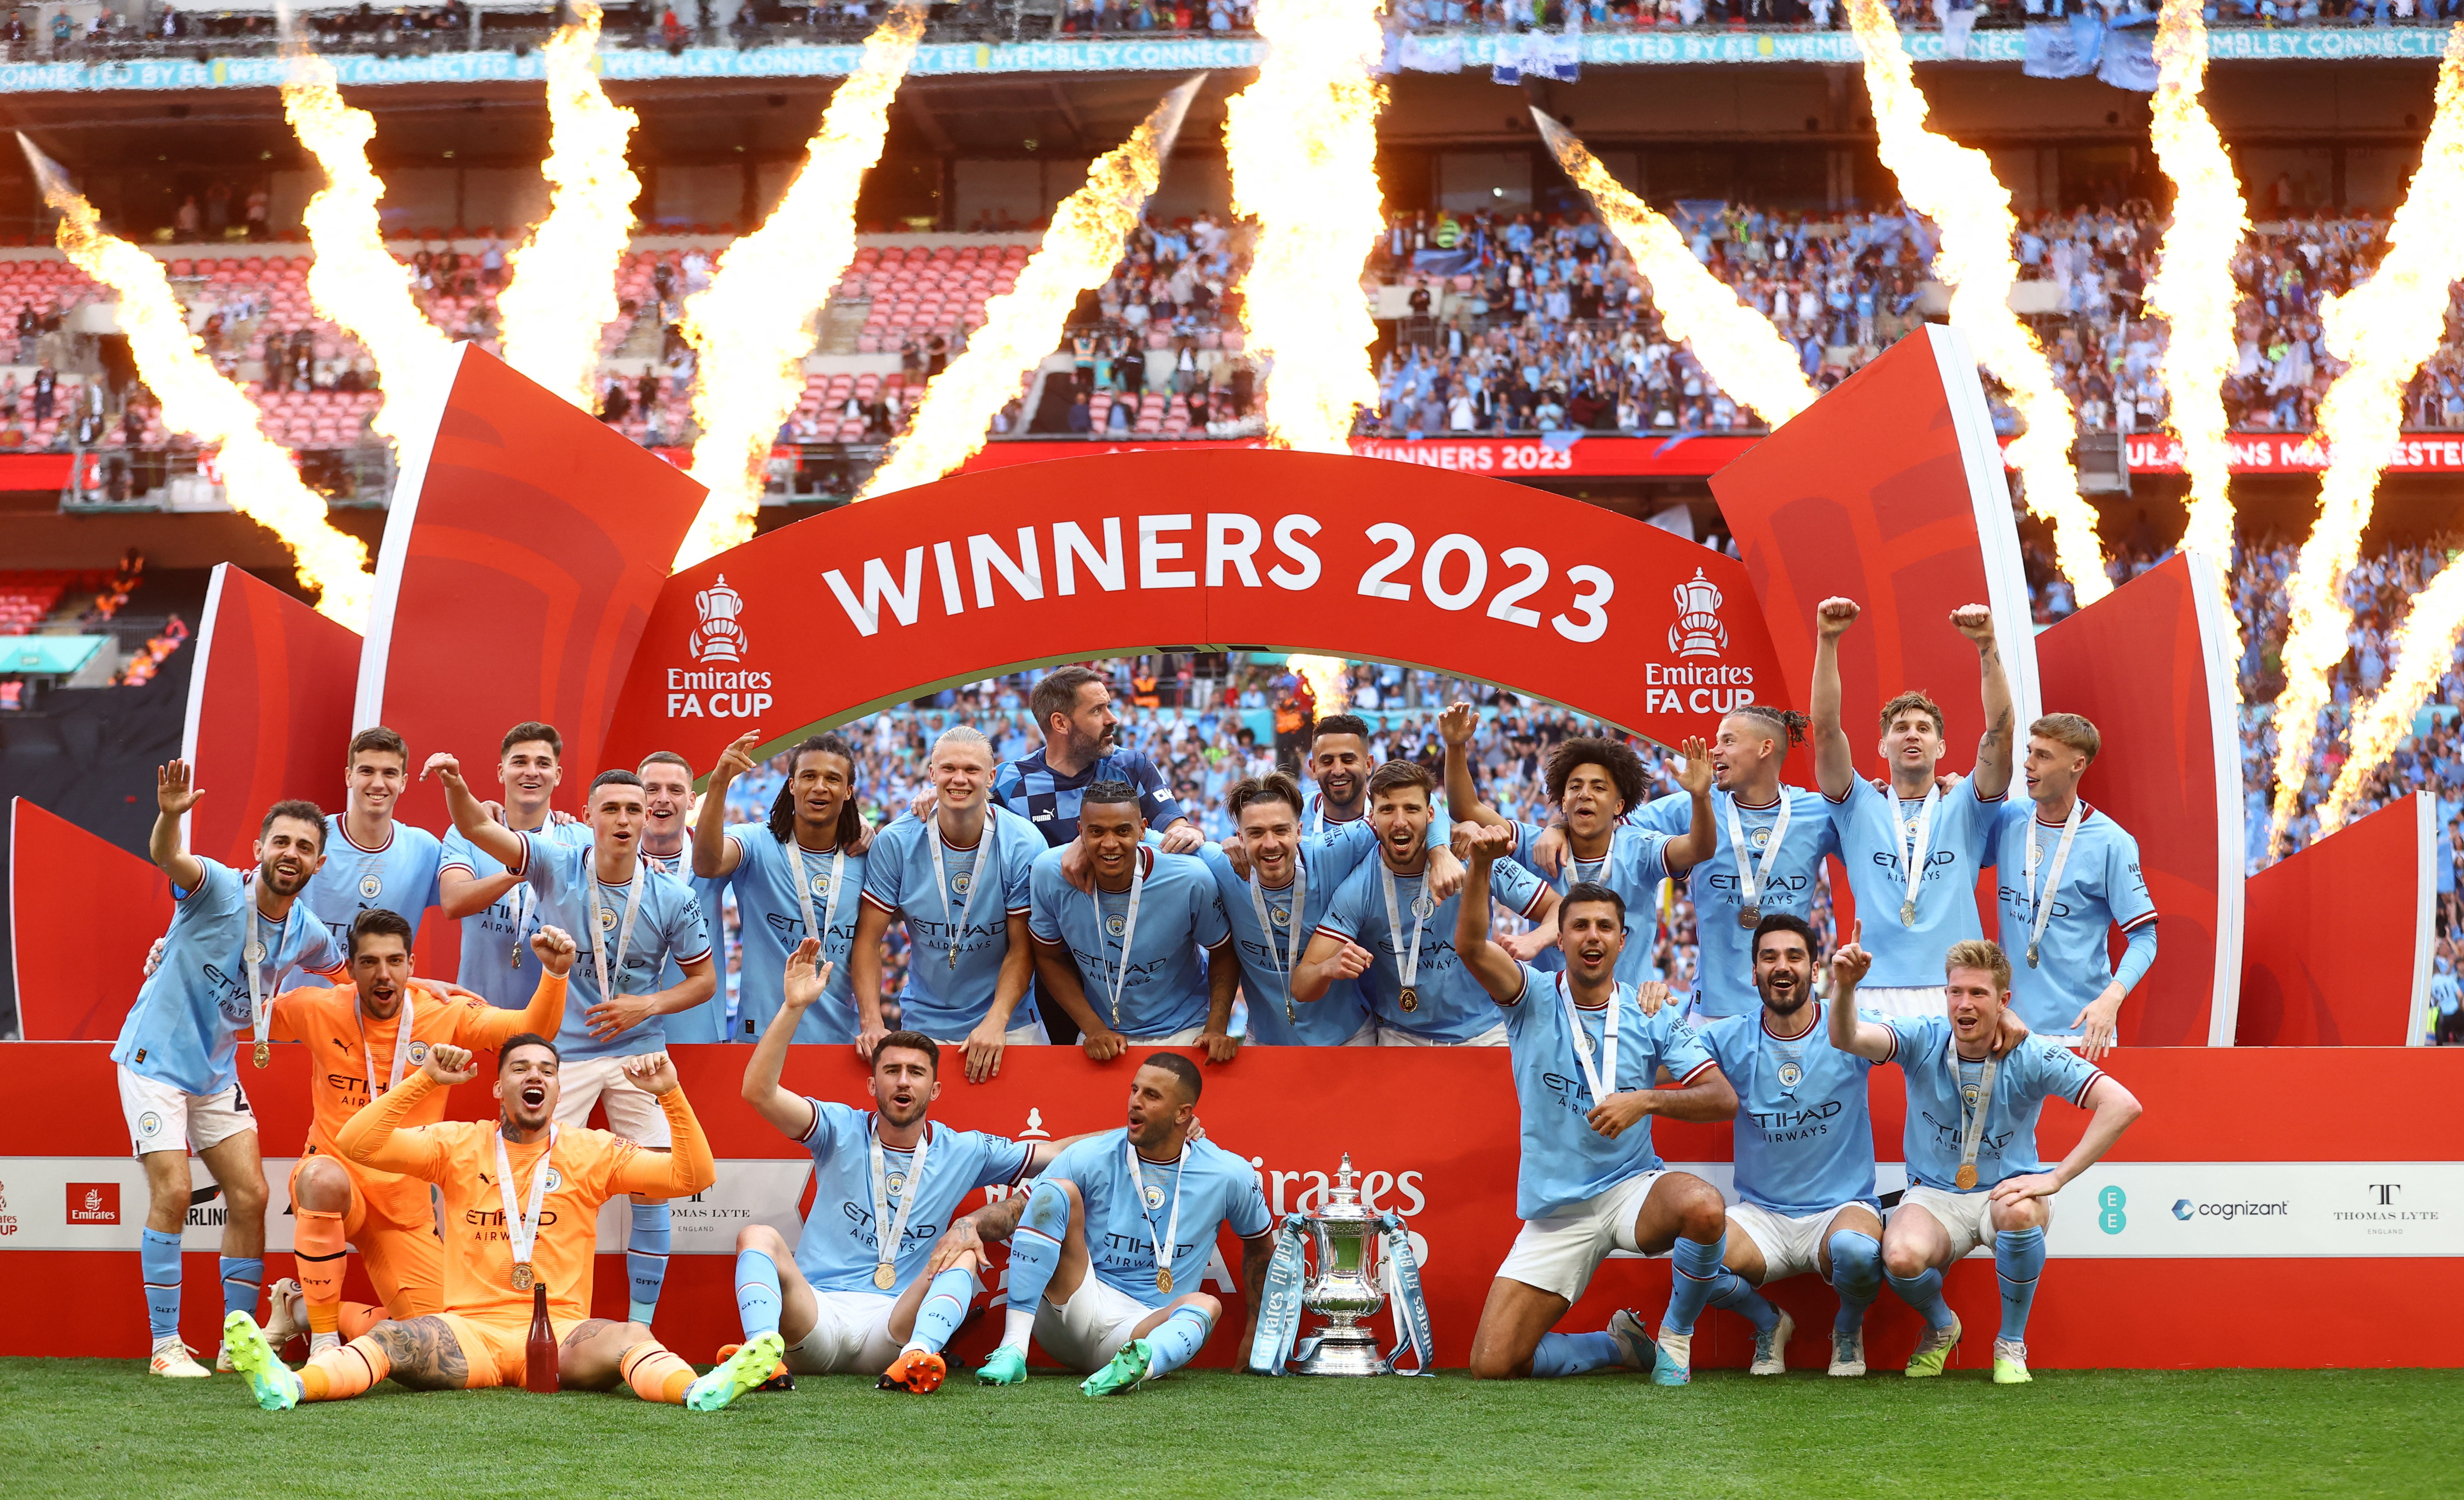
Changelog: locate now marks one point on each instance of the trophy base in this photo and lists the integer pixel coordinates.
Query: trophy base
(1342, 1351)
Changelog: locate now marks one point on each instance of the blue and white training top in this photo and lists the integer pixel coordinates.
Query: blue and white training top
(398, 876)
(771, 921)
(2101, 888)
(1875, 830)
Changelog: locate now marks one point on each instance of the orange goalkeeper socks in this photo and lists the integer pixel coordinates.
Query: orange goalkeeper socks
(654, 1373)
(340, 1374)
(318, 1249)
(357, 1318)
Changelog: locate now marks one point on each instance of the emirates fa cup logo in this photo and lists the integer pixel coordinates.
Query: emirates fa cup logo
(1698, 631)
(719, 637)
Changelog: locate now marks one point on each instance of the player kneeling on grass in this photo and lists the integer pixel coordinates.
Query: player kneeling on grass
(848, 1299)
(1587, 1062)
(1974, 1173)
(521, 1199)
(1119, 1222)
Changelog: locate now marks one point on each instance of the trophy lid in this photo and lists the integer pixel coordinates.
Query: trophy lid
(1343, 1199)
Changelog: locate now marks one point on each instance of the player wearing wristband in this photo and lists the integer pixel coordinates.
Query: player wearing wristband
(1945, 835)
(1588, 1063)
(232, 938)
(1974, 1173)
(521, 1198)
(2068, 875)
(373, 862)
(959, 877)
(798, 875)
(498, 911)
(367, 1034)
(666, 806)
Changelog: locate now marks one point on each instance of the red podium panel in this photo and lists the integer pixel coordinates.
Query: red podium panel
(84, 912)
(2337, 939)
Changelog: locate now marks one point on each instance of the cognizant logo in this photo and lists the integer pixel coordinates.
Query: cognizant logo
(2186, 1210)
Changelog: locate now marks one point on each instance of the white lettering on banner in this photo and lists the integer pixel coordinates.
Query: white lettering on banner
(948, 567)
(1376, 581)
(1507, 604)
(1287, 533)
(749, 1192)
(718, 695)
(1231, 538)
(877, 587)
(1152, 550)
(1026, 576)
(1668, 689)
(1433, 571)
(1070, 543)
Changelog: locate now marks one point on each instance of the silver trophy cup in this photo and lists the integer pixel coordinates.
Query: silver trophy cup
(1343, 1285)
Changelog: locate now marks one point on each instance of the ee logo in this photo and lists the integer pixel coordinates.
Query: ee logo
(2111, 1219)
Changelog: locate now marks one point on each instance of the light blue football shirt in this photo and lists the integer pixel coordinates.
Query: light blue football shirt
(1164, 990)
(668, 924)
(841, 1244)
(400, 877)
(944, 1000)
(2029, 1073)
(1453, 1007)
(182, 1031)
(771, 919)
(1636, 864)
(1565, 1162)
(2101, 889)
(706, 1022)
(1212, 1187)
(1724, 977)
(1275, 1018)
(1804, 1141)
(1875, 830)
(491, 939)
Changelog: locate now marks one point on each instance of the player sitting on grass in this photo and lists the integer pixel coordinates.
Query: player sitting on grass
(1139, 1209)
(521, 1198)
(1974, 1173)
(850, 1298)
(1587, 1063)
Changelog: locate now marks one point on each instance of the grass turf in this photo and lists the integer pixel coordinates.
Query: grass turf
(103, 1428)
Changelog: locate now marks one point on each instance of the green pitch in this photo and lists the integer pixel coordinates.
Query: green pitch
(103, 1428)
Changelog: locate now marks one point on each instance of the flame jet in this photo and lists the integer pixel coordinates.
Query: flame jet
(2422, 651)
(1089, 230)
(754, 325)
(257, 473)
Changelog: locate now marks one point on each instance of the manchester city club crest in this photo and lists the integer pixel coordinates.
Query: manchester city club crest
(555, 1180)
(1281, 917)
(149, 1123)
(1760, 837)
(418, 1054)
(1153, 1196)
(1115, 924)
(1791, 1074)
(371, 886)
(963, 881)
(607, 918)
(897, 1185)
(1968, 1095)
(820, 885)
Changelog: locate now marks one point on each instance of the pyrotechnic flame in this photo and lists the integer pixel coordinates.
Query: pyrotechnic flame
(754, 325)
(2422, 651)
(1739, 347)
(2194, 290)
(563, 290)
(354, 279)
(1954, 186)
(2383, 330)
(1303, 144)
(1330, 679)
(257, 475)
(1080, 249)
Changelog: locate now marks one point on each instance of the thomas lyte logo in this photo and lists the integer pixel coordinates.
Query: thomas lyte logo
(719, 636)
(1698, 631)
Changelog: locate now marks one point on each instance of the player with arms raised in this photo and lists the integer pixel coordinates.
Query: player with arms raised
(176, 1056)
(798, 875)
(521, 1198)
(1943, 835)
(1587, 1065)
(1103, 1253)
(1974, 1172)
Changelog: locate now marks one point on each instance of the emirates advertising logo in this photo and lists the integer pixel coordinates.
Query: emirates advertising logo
(1698, 680)
(716, 686)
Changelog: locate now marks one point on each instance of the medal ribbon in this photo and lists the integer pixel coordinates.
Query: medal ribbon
(400, 1048)
(885, 1247)
(624, 934)
(1748, 879)
(821, 932)
(1115, 980)
(1583, 1040)
(2042, 906)
(259, 967)
(1290, 953)
(1600, 866)
(522, 1225)
(984, 850)
(1971, 1123)
(1171, 1226)
(1407, 964)
(1920, 843)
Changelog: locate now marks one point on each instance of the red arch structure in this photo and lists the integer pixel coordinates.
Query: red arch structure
(873, 604)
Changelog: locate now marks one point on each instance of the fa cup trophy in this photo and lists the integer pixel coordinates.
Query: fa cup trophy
(1354, 1252)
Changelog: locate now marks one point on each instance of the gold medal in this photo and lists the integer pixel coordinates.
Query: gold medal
(1410, 1001)
(524, 1279)
(885, 1275)
(1163, 1281)
(2032, 955)
(1908, 914)
(1967, 1177)
(265, 1055)
(1749, 918)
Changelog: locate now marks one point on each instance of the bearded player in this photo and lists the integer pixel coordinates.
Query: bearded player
(853, 1298)
(1944, 836)
(1102, 1253)
(366, 1035)
(521, 1198)
(1588, 1064)
(1975, 1177)
(176, 1056)
(1339, 763)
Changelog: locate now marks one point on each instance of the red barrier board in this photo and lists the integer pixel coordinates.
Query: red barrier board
(78, 986)
(2345, 1200)
(2337, 938)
